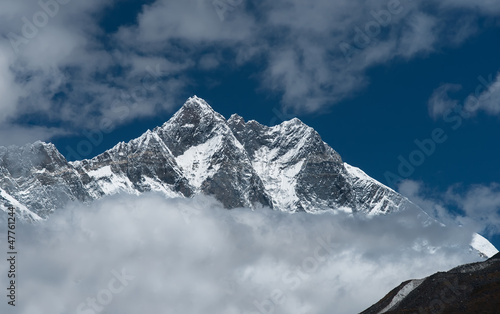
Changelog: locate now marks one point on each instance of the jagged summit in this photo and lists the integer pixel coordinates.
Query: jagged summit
(195, 112)
(197, 107)
(196, 102)
(236, 119)
(295, 121)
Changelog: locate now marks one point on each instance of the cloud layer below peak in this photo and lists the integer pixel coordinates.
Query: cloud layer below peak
(132, 254)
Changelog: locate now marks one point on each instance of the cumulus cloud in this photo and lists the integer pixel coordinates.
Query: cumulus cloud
(58, 67)
(128, 254)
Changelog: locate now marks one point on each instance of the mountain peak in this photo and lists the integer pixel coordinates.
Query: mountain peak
(236, 118)
(197, 103)
(195, 112)
(296, 122)
(236, 123)
(36, 145)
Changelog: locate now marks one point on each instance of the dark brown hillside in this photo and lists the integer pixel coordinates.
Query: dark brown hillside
(471, 288)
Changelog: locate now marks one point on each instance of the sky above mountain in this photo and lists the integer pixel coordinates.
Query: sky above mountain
(408, 91)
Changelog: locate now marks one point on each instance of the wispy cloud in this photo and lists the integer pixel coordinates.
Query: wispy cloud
(441, 102)
(485, 98)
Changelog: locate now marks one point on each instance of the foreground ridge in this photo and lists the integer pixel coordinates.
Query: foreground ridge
(470, 288)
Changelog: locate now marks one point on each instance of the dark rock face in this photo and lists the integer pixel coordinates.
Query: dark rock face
(141, 161)
(233, 182)
(321, 180)
(471, 288)
(242, 164)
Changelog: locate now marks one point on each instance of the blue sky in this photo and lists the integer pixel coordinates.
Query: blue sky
(408, 65)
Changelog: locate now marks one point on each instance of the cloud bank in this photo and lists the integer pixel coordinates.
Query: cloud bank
(128, 254)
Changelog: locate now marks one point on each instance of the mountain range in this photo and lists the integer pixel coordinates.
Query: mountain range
(287, 167)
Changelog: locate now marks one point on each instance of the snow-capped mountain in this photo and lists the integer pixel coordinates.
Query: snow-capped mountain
(287, 167)
(242, 164)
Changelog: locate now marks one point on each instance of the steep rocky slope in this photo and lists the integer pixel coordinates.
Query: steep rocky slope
(472, 288)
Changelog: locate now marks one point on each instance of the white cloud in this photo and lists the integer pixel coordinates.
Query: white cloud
(65, 75)
(193, 21)
(421, 36)
(15, 134)
(301, 42)
(8, 89)
(488, 100)
(192, 256)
